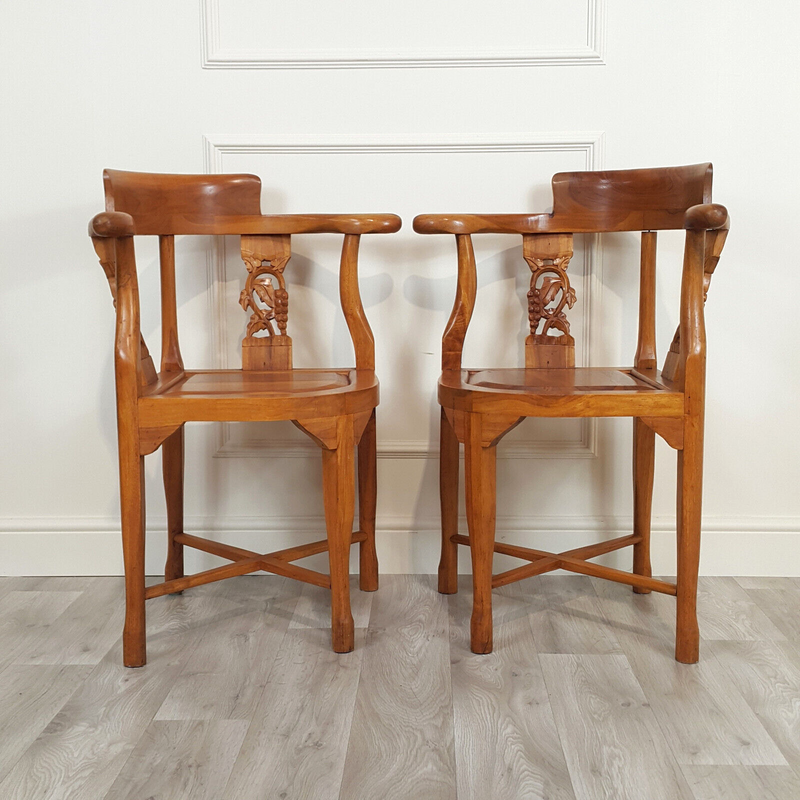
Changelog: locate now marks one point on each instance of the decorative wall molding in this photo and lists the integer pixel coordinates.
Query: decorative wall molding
(217, 146)
(214, 56)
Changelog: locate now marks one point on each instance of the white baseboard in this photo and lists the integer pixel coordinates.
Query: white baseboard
(91, 546)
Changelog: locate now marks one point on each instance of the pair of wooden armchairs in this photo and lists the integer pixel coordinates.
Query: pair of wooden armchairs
(336, 407)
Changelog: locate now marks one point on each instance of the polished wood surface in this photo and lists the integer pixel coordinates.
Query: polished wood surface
(479, 406)
(333, 406)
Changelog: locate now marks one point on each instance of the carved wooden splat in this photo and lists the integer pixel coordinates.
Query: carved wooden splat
(549, 343)
(266, 297)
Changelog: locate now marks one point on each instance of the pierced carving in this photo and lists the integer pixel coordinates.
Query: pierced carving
(550, 293)
(265, 292)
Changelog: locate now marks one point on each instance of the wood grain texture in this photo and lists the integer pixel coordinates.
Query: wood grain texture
(565, 615)
(25, 616)
(779, 599)
(313, 607)
(703, 716)
(506, 742)
(768, 676)
(84, 747)
(726, 611)
(31, 696)
(401, 741)
(86, 630)
(180, 759)
(235, 655)
(611, 738)
(297, 741)
(759, 783)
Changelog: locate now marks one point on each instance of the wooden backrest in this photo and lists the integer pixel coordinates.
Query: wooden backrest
(168, 205)
(643, 200)
(162, 204)
(630, 199)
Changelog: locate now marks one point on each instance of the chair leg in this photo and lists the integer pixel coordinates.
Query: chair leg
(172, 468)
(367, 502)
(644, 449)
(134, 652)
(480, 472)
(448, 497)
(689, 518)
(338, 489)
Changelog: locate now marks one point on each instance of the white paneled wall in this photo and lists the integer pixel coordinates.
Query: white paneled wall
(407, 107)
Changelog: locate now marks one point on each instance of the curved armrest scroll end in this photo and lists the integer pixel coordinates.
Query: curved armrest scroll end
(111, 225)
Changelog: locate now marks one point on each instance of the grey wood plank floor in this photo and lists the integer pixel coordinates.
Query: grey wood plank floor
(242, 697)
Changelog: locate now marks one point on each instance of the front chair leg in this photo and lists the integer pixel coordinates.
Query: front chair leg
(644, 448)
(172, 468)
(134, 652)
(448, 497)
(338, 489)
(367, 502)
(480, 471)
(689, 519)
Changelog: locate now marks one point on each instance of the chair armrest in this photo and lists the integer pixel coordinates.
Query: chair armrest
(275, 224)
(111, 225)
(706, 217)
(481, 223)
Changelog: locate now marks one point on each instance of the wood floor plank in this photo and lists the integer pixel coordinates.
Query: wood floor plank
(506, 742)
(743, 783)
(565, 615)
(726, 611)
(86, 630)
(31, 697)
(768, 676)
(314, 606)
(612, 742)
(703, 716)
(401, 741)
(779, 599)
(178, 759)
(233, 660)
(297, 741)
(82, 750)
(27, 615)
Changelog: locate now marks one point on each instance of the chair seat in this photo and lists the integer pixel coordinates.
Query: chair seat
(241, 396)
(578, 392)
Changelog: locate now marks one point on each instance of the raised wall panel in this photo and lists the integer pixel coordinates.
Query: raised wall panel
(408, 281)
(245, 34)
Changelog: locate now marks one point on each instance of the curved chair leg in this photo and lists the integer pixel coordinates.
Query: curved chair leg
(338, 489)
(448, 497)
(689, 518)
(480, 473)
(644, 448)
(134, 653)
(367, 501)
(172, 468)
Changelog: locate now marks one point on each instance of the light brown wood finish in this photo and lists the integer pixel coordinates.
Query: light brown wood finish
(334, 406)
(481, 406)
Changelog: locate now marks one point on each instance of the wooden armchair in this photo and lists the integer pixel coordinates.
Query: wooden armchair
(480, 406)
(335, 407)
